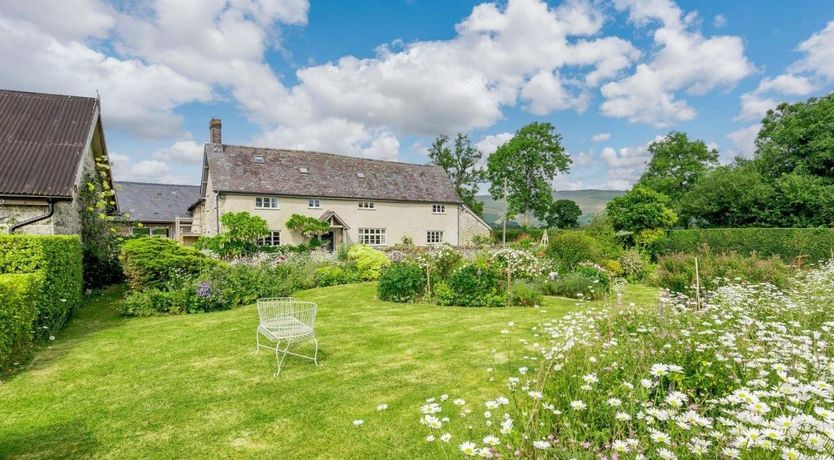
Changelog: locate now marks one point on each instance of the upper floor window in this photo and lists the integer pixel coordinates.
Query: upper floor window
(366, 205)
(438, 209)
(266, 202)
(273, 238)
(434, 236)
(313, 203)
(372, 236)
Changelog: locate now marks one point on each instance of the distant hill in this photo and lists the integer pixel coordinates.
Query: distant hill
(589, 201)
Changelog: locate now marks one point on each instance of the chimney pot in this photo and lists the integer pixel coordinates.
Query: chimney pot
(215, 132)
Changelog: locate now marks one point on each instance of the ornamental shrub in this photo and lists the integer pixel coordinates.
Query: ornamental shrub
(59, 260)
(676, 272)
(634, 264)
(597, 275)
(440, 261)
(19, 298)
(525, 294)
(369, 261)
(334, 275)
(815, 244)
(570, 248)
(401, 282)
(574, 285)
(472, 285)
(153, 262)
(523, 263)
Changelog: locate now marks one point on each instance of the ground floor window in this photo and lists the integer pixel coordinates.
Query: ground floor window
(372, 236)
(273, 238)
(434, 236)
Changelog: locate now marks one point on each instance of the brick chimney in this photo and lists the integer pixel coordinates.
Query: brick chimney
(214, 131)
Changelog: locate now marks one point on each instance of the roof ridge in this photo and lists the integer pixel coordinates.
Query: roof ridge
(374, 160)
(33, 93)
(152, 183)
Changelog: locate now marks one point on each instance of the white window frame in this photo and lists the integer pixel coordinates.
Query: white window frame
(438, 209)
(273, 202)
(312, 201)
(372, 236)
(367, 205)
(273, 238)
(434, 237)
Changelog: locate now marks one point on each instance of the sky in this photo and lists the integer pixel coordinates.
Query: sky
(381, 79)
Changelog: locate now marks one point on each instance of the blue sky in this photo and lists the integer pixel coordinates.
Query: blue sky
(382, 78)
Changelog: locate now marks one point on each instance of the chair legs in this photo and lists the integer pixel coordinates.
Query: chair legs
(282, 352)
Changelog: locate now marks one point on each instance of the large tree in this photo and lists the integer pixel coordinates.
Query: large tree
(677, 164)
(641, 209)
(563, 214)
(461, 164)
(522, 170)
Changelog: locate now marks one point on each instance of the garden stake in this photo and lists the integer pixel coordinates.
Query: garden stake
(697, 285)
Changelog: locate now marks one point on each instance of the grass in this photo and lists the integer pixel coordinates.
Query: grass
(189, 386)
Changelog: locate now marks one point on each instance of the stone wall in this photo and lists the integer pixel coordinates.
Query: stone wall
(471, 226)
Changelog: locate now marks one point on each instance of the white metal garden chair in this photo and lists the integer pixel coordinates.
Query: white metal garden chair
(285, 320)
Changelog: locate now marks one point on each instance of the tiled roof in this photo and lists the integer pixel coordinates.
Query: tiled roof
(244, 169)
(42, 138)
(155, 202)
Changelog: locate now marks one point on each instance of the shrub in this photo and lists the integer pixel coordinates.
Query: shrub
(239, 237)
(472, 285)
(153, 262)
(570, 248)
(574, 285)
(634, 264)
(788, 243)
(441, 262)
(401, 282)
(19, 298)
(333, 275)
(525, 294)
(524, 264)
(369, 261)
(59, 260)
(676, 272)
(596, 273)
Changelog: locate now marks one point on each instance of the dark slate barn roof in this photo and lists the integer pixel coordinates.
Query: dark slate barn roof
(42, 138)
(155, 202)
(242, 169)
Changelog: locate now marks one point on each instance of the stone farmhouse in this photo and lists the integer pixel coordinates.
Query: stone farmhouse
(48, 144)
(374, 202)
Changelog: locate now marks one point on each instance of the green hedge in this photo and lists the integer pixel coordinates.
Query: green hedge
(816, 244)
(59, 259)
(19, 296)
(154, 262)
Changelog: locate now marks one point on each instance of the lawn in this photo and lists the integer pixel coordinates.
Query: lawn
(189, 386)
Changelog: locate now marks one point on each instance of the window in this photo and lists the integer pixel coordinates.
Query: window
(259, 159)
(372, 236)
(303, 170)
(434, 236)
(366, 205)
(273, 238)
(266, 202)
(313, 203)
(438, 209)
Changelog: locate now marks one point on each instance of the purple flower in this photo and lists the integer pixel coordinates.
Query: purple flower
(204, 290)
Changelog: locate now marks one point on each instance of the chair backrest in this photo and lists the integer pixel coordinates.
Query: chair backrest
(274, 308)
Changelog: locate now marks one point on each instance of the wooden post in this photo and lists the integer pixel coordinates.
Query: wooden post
(509, 270)
(697, 284)
(428, 278)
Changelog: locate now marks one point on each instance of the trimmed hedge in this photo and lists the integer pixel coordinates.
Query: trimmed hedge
(59, 259)
(154, 262)
(19, 296)
(816, 244)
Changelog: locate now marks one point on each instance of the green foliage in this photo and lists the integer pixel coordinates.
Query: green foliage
(98, 233)
(525, 294)
(570, 248)
(306, 225)
(676, 272)
(369, 261)
(461, 164)
(634, 264)
(59, 260)
(472, 285)
(333, 275)
(563, 214)
(527, 165)
(241, 231)
(153, 262)
(440, 262)
(19, 298)
(597, 274)
(574, 285)
(401, 282)
(640, 209)
(677, 164)
(813, 244)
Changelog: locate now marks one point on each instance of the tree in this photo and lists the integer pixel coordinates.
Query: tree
(523, 169)
(677, 164)
(798, 138)
(731, 196)
(461, 164)
(563, 214)
(241, 231)
(641, 209)
(306, 225)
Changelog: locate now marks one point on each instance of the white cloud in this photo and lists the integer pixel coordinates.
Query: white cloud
(334, 135)
(756, 103)
(601, 137)
(125, 169)
(582, 158)
(563, 183)
(490, 144)
(545, 93)
(66, 19)
(626, 164)
(685, 61)
(745, 140)
(181, 152)
(819, 53)
(719, 21)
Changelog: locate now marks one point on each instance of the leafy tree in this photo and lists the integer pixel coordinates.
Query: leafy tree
(563, 214)
(641, 209)
(526, 166)
(732, 196)
(306, 225)
(677, 164)
(461, 164)
(241, 231)
(798, 138)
